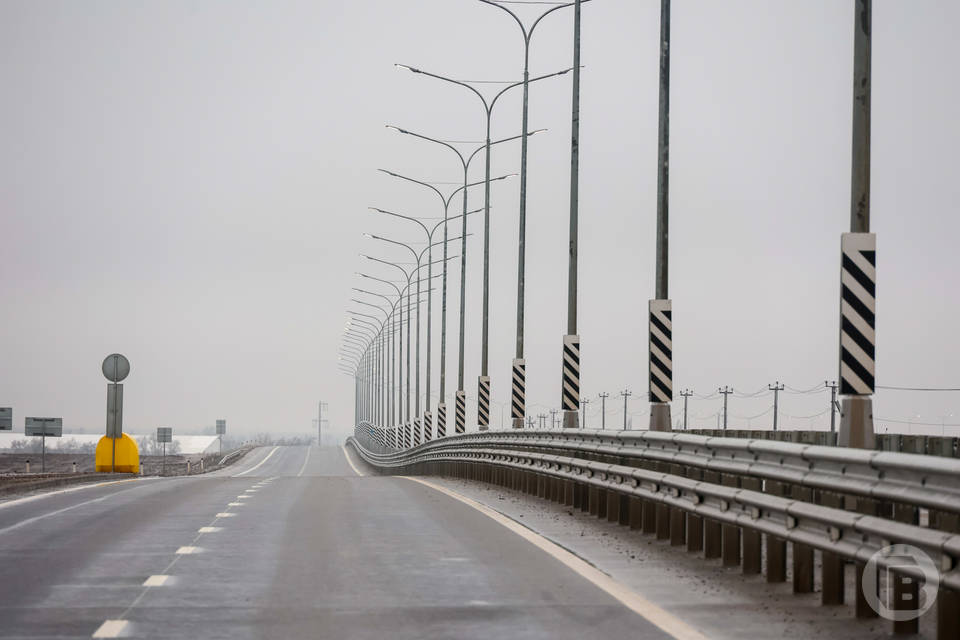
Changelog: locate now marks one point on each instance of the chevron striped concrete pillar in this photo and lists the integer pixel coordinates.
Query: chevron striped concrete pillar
(441, 420)
(518, 405)
(661, 364)
(417, 434)
(427, 426)
(461, 409)
(858, 305)
(570, 394)
(483, 403)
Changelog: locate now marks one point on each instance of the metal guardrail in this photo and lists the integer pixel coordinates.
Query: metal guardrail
(596, 469)
(919, 480)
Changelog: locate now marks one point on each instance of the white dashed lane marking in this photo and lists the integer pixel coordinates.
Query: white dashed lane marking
(184, 551)
(111, 629)
(225, 514)
(156, 581)
(210, 529)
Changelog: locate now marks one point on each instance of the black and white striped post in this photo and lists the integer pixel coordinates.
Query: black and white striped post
(407, 440)
(461, 409)
(417, 433)
(571, 381)
(427, 426)
(661, 364)
(483, 403)
(858, 278)
(858, 275)
(441, 420)
(519, 401)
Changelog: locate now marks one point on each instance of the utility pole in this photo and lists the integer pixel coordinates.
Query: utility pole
(776, 387)
(603, 409)
(553, 418)
(726, 391)
(833, 404)
(686, 396)
(660, 308)
(583, 407)
(626, 394)
(858, 249)
(322, 405)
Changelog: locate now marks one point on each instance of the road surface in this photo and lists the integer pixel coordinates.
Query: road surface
(288, 543)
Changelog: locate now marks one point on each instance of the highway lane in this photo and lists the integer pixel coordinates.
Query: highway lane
(287, 543)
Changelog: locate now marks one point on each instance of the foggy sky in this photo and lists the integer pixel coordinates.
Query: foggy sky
(187, 183)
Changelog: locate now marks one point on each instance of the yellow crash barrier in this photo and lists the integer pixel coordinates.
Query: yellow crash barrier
(128, 455)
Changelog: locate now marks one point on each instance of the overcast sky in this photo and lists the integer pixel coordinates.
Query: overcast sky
(187, 183)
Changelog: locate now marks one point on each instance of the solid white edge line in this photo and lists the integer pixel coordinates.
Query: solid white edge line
(657, 616)
(254, 468)
(346, 455)
(304, 467)
(13, 503)
(110, 629)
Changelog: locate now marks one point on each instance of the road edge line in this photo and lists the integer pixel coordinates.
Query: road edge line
(346, 455)
(656, 615)
(258, 465)
(59, 492)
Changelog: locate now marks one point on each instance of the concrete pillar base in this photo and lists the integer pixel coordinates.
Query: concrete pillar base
(517, 423)
(856, 422)
(571, 420)
(660, 416)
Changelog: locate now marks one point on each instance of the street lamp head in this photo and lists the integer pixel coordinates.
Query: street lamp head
(405, 67)
(390, 126)
(536, 131)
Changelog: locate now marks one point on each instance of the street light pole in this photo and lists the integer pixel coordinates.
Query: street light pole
(858, 259)
(445, 201)
(483, 382)
(660, 308)
(465, 161)
(570, 383)
(518, 403)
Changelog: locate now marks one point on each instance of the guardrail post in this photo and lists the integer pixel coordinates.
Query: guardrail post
(663, 509)
(802, 554)
(636, 513)
(731, 532)
(694, 522)
(948, 614)
(752, 551)
(711, 528)
(831, 565)
(649, 516)
(602, 503)
(613, 506)
(906, 591)
(776, 547)
(593, 494)
(870, 507)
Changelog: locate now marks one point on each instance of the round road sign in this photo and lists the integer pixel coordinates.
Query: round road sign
(116, 367)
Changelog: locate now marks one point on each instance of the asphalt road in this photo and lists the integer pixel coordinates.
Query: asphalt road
(288, 543)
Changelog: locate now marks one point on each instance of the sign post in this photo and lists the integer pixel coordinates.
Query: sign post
(43, 427)
(116, 368)
(164, 435)
(221, 429)
(6, 418)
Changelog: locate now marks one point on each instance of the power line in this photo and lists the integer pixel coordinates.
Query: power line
(918, 388)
